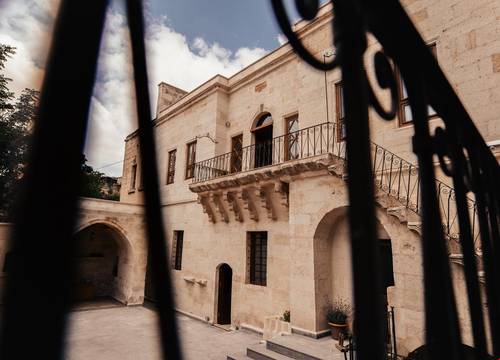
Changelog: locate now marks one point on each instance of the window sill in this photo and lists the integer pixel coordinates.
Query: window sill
(410, 124)
(257, 285)
(131, 191)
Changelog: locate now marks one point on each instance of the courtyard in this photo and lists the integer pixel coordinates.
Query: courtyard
(131, 333)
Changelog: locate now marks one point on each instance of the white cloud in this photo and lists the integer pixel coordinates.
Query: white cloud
(282, 39)
(171, 58)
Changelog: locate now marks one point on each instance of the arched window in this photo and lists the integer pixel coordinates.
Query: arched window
(264, 120)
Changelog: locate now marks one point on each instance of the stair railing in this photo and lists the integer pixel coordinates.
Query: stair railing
(400, 179)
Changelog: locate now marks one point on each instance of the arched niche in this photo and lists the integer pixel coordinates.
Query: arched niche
(333, 265)
(103, 258)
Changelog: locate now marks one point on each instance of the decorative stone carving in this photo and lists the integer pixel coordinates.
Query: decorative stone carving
(216, 200)
(415, 226)
(266, 202)
(282, 189)
(229, 198)
(399, 212)
(248, 204)
(206, 208)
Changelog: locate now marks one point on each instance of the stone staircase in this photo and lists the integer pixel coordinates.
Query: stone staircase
(291, 347)
(406, 211)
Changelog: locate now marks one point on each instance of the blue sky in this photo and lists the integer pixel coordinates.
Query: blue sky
(188, 42)
(233, 23)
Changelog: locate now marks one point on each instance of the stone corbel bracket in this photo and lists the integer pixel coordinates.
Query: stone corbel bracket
(266, 202)
(248, 204)
(207, 209)
(216, 200)
(282, 189)
(229, 198)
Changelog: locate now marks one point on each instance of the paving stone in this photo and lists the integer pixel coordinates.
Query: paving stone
(131, 333)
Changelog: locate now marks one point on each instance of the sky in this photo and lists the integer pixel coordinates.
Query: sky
(187, 42)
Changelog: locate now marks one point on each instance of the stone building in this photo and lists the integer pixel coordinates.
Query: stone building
(254, 189)
(253, 183)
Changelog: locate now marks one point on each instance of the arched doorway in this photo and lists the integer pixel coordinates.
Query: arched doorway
(263, 136)
(224, 291)
(332, 262)
(101, 256)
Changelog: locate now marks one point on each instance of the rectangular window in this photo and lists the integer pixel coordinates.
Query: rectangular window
(404, 112)
(257, 257)
(190, 159)
(292, 137)
(236, 153)
(133, 175)
(171, 166)
(177, 243)
(340, 111)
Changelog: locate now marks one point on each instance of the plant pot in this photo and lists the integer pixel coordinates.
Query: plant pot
(337, 329)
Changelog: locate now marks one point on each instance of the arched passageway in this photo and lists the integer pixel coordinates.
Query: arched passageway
(102, 256)
(224, 294)
(332, 262)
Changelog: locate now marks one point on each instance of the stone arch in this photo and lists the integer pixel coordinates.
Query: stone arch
(259, 117)
(105, 260)
(332, 260)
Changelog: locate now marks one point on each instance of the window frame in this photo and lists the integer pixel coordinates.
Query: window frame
(133, 176)
(189, 174)
(234, 154)
(257, 260)
(177, 249)
(292, 137)
(171, 162)
(404, 102)
(340, 111)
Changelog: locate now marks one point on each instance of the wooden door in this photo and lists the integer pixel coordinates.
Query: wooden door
(224, 295)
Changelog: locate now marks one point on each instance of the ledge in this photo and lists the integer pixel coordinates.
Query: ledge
(258, 194)
(266, 174)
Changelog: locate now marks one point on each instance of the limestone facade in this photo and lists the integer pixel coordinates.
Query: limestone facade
(302, 204)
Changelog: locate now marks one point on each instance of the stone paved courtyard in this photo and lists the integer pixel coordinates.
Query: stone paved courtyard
(131, 333)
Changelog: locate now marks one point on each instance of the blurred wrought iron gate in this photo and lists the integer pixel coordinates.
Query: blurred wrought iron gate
(34, 318)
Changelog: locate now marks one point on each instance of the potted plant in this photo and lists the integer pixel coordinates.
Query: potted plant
(336, 316)
(286, 316)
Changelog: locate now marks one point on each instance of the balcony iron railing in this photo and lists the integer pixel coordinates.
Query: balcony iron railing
(305, 143)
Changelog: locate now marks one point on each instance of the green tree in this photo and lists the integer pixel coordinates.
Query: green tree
(6, 95)
(16, 121)
(91, 181)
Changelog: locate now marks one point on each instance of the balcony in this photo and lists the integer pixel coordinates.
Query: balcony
(252, 181)
(307, 143)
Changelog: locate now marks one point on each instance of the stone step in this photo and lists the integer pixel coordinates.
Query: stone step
(261, 352)
(238, 356)
(304, 348)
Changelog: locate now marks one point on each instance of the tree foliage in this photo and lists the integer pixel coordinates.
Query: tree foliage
(16, 120)
(17, 117)
(6, 95)
(91, 181)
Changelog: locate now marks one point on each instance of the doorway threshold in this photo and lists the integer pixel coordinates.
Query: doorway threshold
(226, 327)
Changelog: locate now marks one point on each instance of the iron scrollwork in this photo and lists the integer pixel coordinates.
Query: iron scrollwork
(462, 153)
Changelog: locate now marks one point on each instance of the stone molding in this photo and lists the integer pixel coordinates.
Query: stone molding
(258, 194)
